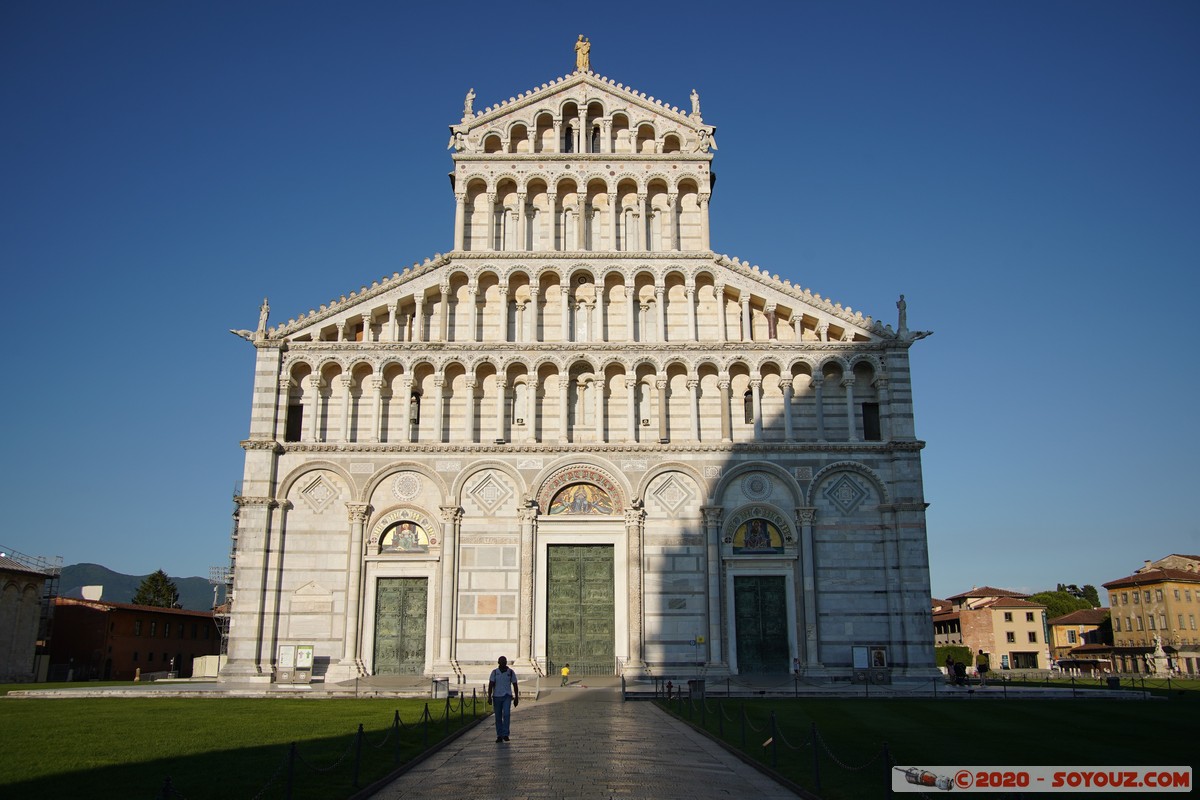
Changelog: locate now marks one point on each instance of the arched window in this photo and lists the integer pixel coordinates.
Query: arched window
(595, 143)
(568, 139)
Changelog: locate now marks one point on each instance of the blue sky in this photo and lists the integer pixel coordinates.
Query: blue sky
(1025, 173)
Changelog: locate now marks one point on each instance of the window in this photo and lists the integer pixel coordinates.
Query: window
(294, 424)
(1071, 637)
(1139, 623)
(1136, 598)
(1146, 595)
(1150, 621)
(137, 628)
(1192, 621)
(1010, 637)
(181, 630)
(166, 630)
(1117, 624)
(1181, 622)
(194, 630)
(135, 655)
(1033, 636)
(1029, 616)
(1128, 623)
(1162, 622)
(1188, 594)
(205, 631)
(1176, 594)
(150, 657)
(1158, 595)
(1008, 616)
(1125, 598)
(870, 422)
(153, 628)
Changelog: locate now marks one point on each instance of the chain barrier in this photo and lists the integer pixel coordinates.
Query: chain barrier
(331, 767)
(842, 764)
(283, 762)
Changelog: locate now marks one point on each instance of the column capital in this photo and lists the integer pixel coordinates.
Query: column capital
(439, 381)
(692, 383)
(806, 515)
(635, 515)
(712, 514)
(756, 383)
(377, 382)
(848, 381)
(451, 513)
(660, 383)
(358, 512)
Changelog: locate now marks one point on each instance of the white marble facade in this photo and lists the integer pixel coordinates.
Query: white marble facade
(438, 423)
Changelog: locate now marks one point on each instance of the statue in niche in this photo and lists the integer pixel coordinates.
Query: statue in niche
(583, 51)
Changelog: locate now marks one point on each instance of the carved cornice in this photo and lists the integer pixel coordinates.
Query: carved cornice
(782, 448)
(270, 445)
(244, 501)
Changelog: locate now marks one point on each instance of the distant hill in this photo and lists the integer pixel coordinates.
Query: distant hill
(195, 594)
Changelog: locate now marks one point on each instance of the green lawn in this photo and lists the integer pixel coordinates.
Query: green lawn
(227, 748)
(973, 732)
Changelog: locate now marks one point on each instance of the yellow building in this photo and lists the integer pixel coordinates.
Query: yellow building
(1156, 608)
(1080, 640)
(1002, 623)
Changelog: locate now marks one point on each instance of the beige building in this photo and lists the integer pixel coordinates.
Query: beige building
(1080, 641)
(1002, 623)
(1157, 607)
(581, 435)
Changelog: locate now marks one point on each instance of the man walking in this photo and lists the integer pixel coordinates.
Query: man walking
(502, 695)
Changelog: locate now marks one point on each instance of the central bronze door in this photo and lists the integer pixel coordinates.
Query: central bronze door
(760, 612)
(580, 609)
(400, 626)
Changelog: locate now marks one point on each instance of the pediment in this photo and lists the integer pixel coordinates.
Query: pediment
(428, 277)
(574, 91)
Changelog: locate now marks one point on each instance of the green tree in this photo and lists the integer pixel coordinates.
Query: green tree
(1059, 602)
(157, 590)
(1091, 595)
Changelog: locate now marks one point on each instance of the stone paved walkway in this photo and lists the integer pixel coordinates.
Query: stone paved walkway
(584, 743)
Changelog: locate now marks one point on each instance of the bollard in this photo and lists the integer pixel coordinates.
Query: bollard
(474, 704)
(816, 758)
(358, 737)
(291, 771)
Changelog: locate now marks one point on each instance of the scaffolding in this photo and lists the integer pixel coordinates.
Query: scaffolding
(222, 577)
(51, 567)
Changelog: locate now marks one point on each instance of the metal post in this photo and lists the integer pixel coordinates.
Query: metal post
(816, 758)
(357, 754)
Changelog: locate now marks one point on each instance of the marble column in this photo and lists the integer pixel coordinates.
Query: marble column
(564, 289)
(789, 433)
(504, 309)
(451, 523)
(631, 313)
(631, 412)
(704, 222)
(393, 316)
(642, 216)
(444, 312)
(693, 332)
(314, 424)
(722, 333)
(493, 228)
(664, 434)
(747, 328)
(693, 386)
(522, 244)
(528, 517)
(772, 332)
(726, 420)
(885, 409)
(564, 389)
(469, 422)
(501, 396)
(552, 202)
(376, 409)
(756, 398)
(473, 301)
(531, 390)
(612, 221)
(460, 219)
(598, 407)
(634, 521)
(282, 396)
(419, 318)
(598, 325)
(798, 326)
(851, 422)
(439, 383)
(660, 302)
(808, 581)
(534, 315)
(344, 383)
(671, 224)
(712, 538)
(357, 513)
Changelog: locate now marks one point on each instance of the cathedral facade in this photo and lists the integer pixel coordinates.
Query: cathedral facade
(581, 435)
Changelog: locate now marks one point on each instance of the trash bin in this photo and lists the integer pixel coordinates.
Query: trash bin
(441, 688)
(696, 688)
(1113, 682)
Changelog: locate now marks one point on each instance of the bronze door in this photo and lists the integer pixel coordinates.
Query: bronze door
(400, 612)
(580, 609)
(760, 612)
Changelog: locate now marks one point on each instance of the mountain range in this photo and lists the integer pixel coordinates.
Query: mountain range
(195, 594)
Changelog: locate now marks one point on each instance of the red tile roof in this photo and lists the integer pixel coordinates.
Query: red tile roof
(103, 605)
(1152, 576)
(987, 591)
(1084, 616)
